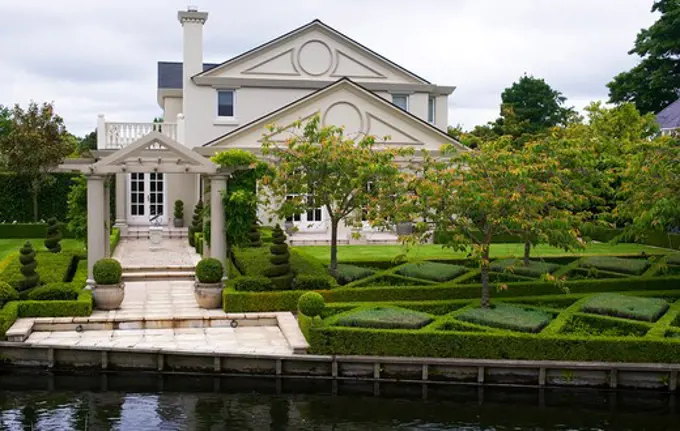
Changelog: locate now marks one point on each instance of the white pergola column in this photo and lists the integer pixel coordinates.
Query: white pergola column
(218, 238)
(121, 202)
(96, 240)
(107, 218)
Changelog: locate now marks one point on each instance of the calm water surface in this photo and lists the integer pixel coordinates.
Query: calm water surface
(151, 402)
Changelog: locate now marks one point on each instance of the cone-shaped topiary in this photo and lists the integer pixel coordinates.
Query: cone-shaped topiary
(28, 265)
(254, 235)
(196, 222)
(54, 235)
(279, 272)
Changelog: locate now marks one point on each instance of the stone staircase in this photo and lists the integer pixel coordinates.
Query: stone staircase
(142, 232)
(159, 274)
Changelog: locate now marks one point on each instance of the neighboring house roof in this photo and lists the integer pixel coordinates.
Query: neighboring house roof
(170, 73)
(313, 24)
(669, 118)
(259, 123)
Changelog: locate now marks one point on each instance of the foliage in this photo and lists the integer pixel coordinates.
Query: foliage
(345, 273)
(587, 326)
(655, 81)
(28, 266)
(313, 282)
(196, 222)
(54, 235)
(507, 316)
(255, 261)
(178, 212)
(432, 271)
(254, 235)
(209, 270)
(321, 167)
(54, 267)
(114, 239)
(16, 205)
(27, 230)
(107, 271)
(54, 292)
(36, 143)
(629, 307)
(77, 209)
(235, 159)
(7, 294)
(88, 143)
(616, 264)
(517, 266)
(385, 318)
(311, 304)
(198, 243)
(280, 266)
(255, 283)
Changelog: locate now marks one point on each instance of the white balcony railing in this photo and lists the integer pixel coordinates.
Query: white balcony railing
(114, 135)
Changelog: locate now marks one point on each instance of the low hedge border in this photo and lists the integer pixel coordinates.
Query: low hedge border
(28, 230)
(114, 239)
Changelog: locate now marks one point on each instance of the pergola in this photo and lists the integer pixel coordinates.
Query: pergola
(154, 152)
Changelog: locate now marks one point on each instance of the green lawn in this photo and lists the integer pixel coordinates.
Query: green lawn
(428, 251)
(8, 246)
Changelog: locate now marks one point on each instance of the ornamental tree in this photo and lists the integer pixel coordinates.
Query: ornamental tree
(54, 235)
(322, 167)
(28, 266)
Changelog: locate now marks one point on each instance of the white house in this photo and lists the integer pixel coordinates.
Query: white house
(211, 107)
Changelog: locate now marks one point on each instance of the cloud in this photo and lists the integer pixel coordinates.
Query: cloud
(100, 57)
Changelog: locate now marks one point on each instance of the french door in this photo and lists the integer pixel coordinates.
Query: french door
(146, 198)
(313, 220)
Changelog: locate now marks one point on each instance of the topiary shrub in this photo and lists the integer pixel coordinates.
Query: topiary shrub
(314, 282)
(54, 292)
(28, 266)
(196, 222)
(107, 271)
(279, 272)
(209, 270)
(7, 293)
(251, 284)
(178, 213)
(254, 235)
(54, 235)
(311, 304)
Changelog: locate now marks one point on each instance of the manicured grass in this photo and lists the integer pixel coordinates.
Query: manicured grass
(432, 251)
(52, 268)
(517, 266)
(433, 271)
(255, 262)
(629, 307)
(506, 316)
(616, 264)
(385, 318)
(9, 246)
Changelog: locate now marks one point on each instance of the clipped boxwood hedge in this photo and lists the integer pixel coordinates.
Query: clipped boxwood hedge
(346, 273)
(255, 261)
(629, 307)
(383, 317)
(27, 230)
(433, 271)
(52, 267)
(517, 266)
(615, 264)
(506, 316)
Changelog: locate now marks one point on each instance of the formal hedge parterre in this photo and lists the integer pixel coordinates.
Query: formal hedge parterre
(347, 273)
(517, 266)
(505, 316)
(383, 317)
(51, 267)
(616, 264)
(432, 271)
(629, 307)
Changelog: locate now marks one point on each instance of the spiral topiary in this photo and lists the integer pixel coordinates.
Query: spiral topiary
(196, 222)
(209, 270)
(54, 235)
(107, 271)
(311, 304)
(28, 266)
(279, 272)
(254, 235)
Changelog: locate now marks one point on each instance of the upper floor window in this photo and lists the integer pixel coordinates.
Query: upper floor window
(401, 100)
(225, 103)
(431, 104)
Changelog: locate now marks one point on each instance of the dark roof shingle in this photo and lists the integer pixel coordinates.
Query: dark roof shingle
(669, 118)
(170, 73)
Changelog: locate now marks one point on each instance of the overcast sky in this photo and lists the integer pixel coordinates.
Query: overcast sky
(100, 56)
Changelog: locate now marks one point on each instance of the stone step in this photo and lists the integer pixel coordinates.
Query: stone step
(158, 275)
(168, 268)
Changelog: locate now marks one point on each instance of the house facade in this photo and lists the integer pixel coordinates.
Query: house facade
(208, 108)
(669, 118)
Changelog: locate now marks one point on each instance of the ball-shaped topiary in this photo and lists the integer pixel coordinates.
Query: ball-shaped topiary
(28, 266)
(196, 222)
(254, 236)
(311, 304)
(209, 270)
(7, 293)
(279, 272)
(54, 235)
(107, 271)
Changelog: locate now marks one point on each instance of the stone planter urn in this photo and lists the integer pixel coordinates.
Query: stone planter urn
(209, 283)
(178, 222)
(108, 291)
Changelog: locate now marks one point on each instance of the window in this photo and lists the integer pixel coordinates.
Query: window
(401, 100)
(225, 103)
(431, 101)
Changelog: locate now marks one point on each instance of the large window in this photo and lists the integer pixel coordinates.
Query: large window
(431, 104)
(225, 103)
(401, 100)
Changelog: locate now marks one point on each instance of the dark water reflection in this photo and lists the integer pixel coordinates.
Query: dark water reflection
(151, 402)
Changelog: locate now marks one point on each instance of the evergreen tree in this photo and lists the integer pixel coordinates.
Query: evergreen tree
(196, 222)
(279, 272)
(54, 235)
(28, 265)
(254, 235)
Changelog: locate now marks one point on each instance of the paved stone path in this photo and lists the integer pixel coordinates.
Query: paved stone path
(175, 252)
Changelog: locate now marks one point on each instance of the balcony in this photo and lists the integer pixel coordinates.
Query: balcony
(116, 135)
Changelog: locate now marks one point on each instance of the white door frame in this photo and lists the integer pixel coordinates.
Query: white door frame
(144, 220)
(307, 224)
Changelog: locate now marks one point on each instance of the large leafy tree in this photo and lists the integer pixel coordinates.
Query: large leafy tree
(321, 167)
(36, 143)
(655, 81)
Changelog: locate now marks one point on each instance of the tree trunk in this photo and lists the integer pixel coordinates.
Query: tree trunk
(35, 200)
(334, 245)
(486, 302)
(527, 251)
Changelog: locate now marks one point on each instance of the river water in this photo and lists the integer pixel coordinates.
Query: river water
(139, 402)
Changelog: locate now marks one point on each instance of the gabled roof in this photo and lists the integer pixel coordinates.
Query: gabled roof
(261, 122)
(311, 25)
(170, 73)
(669, 118)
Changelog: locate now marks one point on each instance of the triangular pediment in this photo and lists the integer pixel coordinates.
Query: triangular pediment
(347, 104)
(313, 52)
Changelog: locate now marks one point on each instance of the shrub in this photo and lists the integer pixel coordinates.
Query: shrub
(178, 212)
(54, 235)
(54, 292)
(198, 242)
(432, 271)
(27, 230)
(629, 307)
(616, 264)
(673, 258)
(507, 316)
(107, 271)
(384, 318)
(593, 326)
(311, 304)
(251, 284)
(209, 270)
(283, 282)
(28, 266)
(517, 266)
(54, 268)
(390, 280)
(7, 293)
(313, 282)
(114, 239)
(345, 273)
(254, 236)
(196, 222)
(280, 265)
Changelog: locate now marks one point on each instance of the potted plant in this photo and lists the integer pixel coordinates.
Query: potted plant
(179, 213)
(109, 290)
(209, 283)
